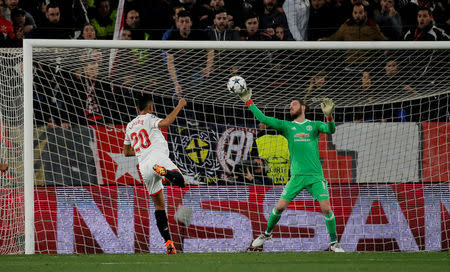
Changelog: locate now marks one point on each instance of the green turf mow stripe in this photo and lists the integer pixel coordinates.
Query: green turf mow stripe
(248, 262)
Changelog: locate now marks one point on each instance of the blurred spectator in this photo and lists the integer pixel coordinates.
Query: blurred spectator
(205, 13)
(52, 28)
(366, 88)
(87, 99)
(231, 24)
(297, 15)
(323, 20)
(184, 28)
(155, 16)
(133, 22)
(88, 32)
(252, 171)
(317, 89)
(389, 20)
(252, 31)
(126, 34)
(347, 7)
(104, 19)
(3, 167)
(425, 30)
(7, 34)
(238, 11)
(48, 102)
(408, 12)
(394, 82)
(180, 64)
(12, 6)
(280, 32)
(176, 9)
(441, 15)
(219, 31)
(75, 12)
(126, 60)
(358, 28)
(271, 15)
(38, 9)
(18, 19)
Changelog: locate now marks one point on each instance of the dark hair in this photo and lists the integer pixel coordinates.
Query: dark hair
(175, 7)
(359, 5)
(424, 8)
(97, 2)
(220, 10)
(279, 25)
(52, 5)
(17, 12)
(143, 101)
(184, 13)
(82, 30)
(88, 24)
(251, 15)
(301, 101)
(127, 28)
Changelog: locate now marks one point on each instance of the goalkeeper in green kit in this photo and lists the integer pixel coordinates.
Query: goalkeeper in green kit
(306, 169)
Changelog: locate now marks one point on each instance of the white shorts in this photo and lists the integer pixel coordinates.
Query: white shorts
(152, 180)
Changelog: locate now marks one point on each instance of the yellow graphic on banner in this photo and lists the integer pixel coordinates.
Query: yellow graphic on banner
(197, 150)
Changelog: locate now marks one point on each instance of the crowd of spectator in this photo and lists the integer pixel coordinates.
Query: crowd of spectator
(226, 20)
(220, 20)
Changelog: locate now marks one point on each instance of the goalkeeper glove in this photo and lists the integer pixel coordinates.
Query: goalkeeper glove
(246, 95)
(327, 106)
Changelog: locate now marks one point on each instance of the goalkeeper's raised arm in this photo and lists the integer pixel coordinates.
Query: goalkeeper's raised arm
(270, 121)
(327, 108)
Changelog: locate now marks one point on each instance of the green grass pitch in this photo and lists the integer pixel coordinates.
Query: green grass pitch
(251, 262)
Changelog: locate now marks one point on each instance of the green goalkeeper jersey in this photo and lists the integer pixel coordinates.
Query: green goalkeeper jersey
(303, 141)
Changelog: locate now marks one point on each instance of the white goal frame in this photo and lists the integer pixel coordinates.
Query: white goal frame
(30, 44)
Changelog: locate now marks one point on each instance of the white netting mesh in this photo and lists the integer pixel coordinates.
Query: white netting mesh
(11, 126)
(387, 164)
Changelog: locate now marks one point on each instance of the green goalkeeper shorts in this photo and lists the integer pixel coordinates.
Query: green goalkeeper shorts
(316, 186)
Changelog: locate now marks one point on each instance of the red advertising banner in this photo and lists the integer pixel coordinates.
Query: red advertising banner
(226, 219)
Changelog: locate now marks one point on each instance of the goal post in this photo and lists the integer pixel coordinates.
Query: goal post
(28, 146)
(393, 165)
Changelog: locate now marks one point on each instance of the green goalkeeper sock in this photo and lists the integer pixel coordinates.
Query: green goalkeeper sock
(274, 217)
(330, 221)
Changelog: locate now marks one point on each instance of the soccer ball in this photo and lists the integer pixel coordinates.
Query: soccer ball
(236, 85)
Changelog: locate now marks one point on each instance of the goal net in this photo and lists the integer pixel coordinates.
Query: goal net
(12, 217)
(387, 165)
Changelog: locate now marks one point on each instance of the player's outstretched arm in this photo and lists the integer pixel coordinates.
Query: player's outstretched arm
(270, 121)
(171, 117)
(327, 108)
